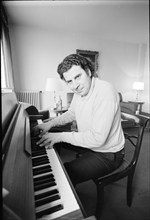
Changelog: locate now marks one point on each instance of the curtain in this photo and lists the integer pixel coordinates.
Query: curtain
(6, 56)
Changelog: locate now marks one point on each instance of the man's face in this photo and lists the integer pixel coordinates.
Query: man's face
(78, 80)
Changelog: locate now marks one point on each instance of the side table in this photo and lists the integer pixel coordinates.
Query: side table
(58, 111)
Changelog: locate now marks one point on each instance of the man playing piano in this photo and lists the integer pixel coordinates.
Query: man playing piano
(96, 110)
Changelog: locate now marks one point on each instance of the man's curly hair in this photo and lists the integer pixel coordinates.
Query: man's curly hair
(75, 59)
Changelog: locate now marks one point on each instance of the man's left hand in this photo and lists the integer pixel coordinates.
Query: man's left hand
(49, 139)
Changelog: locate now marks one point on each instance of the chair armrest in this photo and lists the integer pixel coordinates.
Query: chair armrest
(129, 108)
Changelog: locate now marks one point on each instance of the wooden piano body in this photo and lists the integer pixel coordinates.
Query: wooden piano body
(17, 164)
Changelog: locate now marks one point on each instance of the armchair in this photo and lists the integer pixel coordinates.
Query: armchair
(127, 107)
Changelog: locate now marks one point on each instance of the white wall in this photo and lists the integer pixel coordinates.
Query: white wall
(37, 53)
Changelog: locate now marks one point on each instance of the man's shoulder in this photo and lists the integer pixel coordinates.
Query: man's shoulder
(102, 84)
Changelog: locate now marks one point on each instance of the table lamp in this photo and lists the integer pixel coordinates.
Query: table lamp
(53, 85)
(138, 86)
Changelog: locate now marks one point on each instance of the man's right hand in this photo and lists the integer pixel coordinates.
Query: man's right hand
(42, 128)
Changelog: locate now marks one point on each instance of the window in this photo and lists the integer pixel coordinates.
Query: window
(3, 78)
(6, 60)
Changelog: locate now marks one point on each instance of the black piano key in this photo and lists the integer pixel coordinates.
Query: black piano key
(46, 194)
(37, 163)
(45, 180)
(49, 211)
(38, 152)
(38, 147)
(32, 125)
(40, 160)
(47, 200)
(41, 170)
(44, 186)
(42, 157)
(34, 135)
(43, 177)
(34, 140)
(35, 147)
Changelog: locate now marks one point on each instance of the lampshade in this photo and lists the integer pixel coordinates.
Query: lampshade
(138, 86)
(53, 84)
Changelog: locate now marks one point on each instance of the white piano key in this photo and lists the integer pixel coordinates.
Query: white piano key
(41, 165)
(48, 189)
(43, 174)
(49, 205)
(68, 199)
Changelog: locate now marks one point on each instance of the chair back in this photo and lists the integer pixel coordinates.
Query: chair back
(32, 110)
(135, 137)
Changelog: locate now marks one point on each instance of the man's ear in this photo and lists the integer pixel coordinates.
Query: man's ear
(89, 72)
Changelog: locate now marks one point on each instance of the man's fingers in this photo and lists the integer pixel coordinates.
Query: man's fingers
(44, 139)
(49, 146)
(42, 133)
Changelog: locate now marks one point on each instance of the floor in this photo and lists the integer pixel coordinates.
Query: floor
(115, 206)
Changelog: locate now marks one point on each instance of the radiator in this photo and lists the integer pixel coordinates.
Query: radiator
(31, 97)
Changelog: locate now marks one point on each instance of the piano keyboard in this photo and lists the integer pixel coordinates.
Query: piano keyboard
(53, 194)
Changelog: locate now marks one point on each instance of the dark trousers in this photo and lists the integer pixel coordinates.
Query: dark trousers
(90, 164)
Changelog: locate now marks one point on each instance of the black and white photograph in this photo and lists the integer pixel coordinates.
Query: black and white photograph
(75, 111)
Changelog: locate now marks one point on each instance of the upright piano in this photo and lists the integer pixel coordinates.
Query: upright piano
(37, 184)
